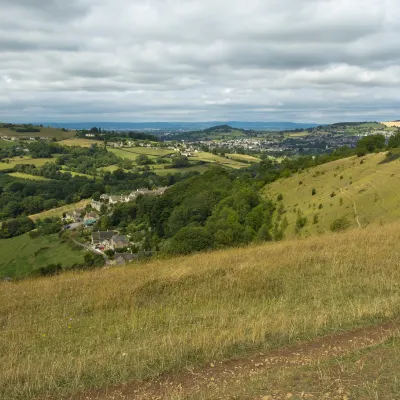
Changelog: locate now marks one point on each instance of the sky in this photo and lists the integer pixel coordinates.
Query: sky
(199, 60)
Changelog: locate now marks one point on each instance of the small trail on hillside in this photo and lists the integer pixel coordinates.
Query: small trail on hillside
(354, 207)
(219, 375)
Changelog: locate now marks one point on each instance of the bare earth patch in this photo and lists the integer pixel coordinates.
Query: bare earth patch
(217, 380)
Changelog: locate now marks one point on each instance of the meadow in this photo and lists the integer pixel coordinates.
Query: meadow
(362, 190)
(58, 212)
(216, 159)
(22, 255)
(22, 175)
(47, 132)
(131, 153)
(38, 162)
(80, 142)
(244, 157)
(83, 330)
(5, 144)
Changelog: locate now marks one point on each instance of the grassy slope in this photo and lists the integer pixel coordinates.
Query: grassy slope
(25, 160)
(57, 212)
(209, 157)
(22, 254)
(5, 144)
(22, 175)
(368, 191)
(243, 157)
(80, 142)
(93, 329)
(44, 132)
(131, 153)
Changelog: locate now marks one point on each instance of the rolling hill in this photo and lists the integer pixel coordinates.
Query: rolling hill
(362, 190)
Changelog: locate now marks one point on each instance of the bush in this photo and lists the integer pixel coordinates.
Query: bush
(340, 224)
(49, 270)
(280, 197)
(313, 192)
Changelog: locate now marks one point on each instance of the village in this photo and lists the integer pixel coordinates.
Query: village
(117, 249)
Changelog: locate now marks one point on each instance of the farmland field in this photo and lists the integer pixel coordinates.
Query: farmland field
(38, 162)
(5, 144)
(58, 212)
(80, 142)
(165, 171)
(243, 157)
(362, 190)
(212, 158)
(46, 132)
(132, 152)
(22, 255)
(22, 175)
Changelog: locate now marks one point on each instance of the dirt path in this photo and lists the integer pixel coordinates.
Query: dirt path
(192, 382)
(354, 207)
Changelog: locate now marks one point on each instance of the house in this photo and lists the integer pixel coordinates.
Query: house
(79, 213)
(123, 258)
(96, 205)
(119, 242)
(91, 218)
(102, 237)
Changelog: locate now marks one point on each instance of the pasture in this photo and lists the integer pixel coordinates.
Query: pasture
(22, 175)
(95, 329)
(46, 132)
(12, 162)
(243, 157)
(80, 142)
(58, 212)
(216, 159)
(22, 255)
(362, 190)
(5, 144)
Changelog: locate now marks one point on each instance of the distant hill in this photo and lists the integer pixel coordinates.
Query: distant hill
(182, 126)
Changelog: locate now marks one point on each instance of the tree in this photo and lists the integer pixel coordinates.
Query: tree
(180, 162)
(190, 239)
(371, 143)
(142, 159)
(394, 140)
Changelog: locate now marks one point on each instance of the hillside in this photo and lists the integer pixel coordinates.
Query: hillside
(27, 131)
(363, 191)
(85, 330)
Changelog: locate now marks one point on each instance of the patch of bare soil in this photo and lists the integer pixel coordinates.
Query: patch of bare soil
(192, 382)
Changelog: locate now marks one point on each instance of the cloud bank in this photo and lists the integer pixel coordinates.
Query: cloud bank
(196, 60)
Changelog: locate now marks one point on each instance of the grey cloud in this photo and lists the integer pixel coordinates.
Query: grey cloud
(199, 59)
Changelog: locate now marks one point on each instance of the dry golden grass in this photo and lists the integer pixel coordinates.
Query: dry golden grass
(88, 330)
(392, 123)
(58, 212)
(80, 142)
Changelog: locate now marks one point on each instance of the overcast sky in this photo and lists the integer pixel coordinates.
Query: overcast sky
(199, 60)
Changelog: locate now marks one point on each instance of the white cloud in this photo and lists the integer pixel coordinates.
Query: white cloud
(309, 60)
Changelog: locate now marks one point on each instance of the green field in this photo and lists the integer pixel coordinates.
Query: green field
(80, 142)
(212, 158)
(5, 144)
(46, 132)
(38, 162)
(165, 171)
(243, 157)
(77, 174)
(131, 153)
(58, 212)
(22, 255)
(22, 175)
(362, 190)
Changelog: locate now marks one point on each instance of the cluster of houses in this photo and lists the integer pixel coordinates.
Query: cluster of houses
(125, 198)
(80, 215)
